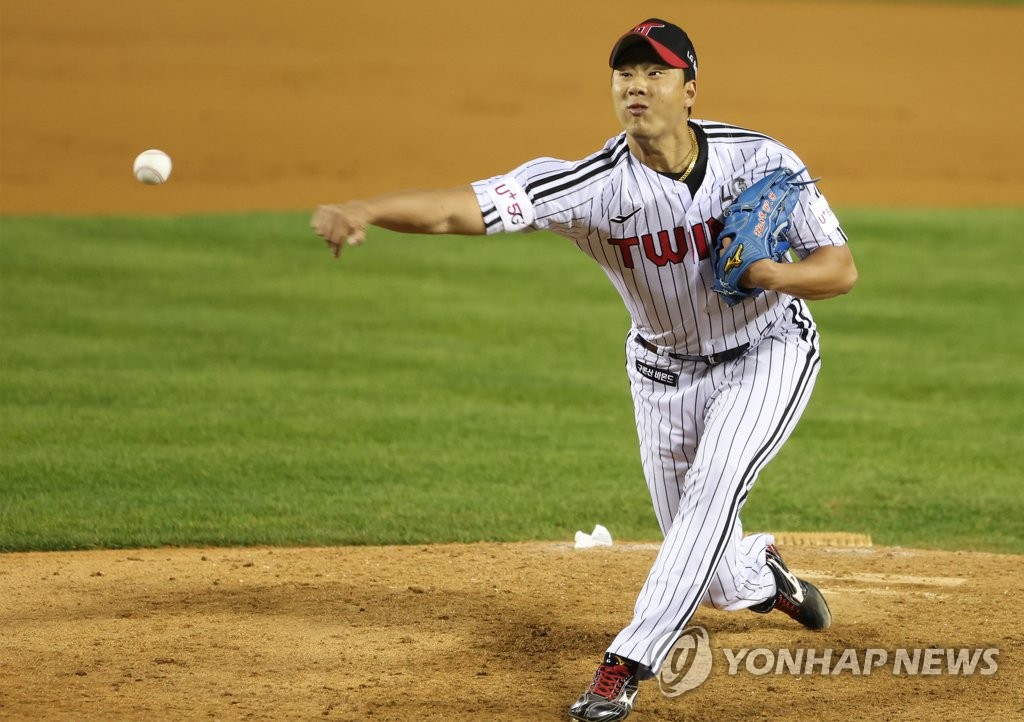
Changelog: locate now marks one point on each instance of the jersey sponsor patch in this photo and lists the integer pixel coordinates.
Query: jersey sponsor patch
(660, 375)
(824, 215)
(513, 204)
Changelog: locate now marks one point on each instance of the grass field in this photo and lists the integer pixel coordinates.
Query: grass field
(218, 380)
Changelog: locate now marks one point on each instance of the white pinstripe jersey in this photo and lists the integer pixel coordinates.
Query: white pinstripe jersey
(653, 235)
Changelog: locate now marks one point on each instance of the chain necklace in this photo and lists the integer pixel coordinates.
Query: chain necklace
(695, 152)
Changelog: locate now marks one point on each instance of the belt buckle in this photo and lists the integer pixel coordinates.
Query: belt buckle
(712, 360)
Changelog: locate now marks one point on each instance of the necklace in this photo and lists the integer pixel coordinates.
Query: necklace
(695, 152)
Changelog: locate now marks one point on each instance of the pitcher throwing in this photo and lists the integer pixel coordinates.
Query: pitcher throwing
(691, 220)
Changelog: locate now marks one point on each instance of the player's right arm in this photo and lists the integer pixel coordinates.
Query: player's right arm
(451, 210)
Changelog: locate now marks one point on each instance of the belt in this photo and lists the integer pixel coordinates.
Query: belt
(711, 360)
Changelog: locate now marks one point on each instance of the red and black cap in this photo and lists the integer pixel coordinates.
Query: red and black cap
(669, 41)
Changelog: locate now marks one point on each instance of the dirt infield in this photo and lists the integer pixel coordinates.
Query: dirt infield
(470, 632)
(273, 106)
(262, 107)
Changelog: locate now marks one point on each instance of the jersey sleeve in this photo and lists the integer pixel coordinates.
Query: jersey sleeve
(814, 225)
(545, 193)
(510, 203)
(504, 203)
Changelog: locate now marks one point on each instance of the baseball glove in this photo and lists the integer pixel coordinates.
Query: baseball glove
(757, 221)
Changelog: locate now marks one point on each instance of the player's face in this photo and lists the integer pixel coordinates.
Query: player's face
(651, 99)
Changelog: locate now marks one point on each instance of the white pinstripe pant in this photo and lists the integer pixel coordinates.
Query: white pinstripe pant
(703, 443)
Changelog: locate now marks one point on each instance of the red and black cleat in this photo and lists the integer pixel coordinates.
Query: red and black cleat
(611, 693)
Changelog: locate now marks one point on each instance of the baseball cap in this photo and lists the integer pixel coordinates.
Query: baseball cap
(669, 41)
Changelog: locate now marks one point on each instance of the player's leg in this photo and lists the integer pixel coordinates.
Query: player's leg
(756, 404)
(667, 402)
(742, 578)
(668, 425)
(701, 396)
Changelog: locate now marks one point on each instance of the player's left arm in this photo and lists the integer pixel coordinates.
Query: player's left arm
(823, 266)
(826, 272)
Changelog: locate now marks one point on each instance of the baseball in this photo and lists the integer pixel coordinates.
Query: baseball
(152, 167)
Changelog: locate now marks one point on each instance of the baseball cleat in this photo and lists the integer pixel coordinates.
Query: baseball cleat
(798, 598)
(611, 693)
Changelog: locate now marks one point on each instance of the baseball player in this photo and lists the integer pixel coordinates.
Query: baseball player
(720, 370)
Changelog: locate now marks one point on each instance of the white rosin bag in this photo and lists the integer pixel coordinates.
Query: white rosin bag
(600, 537)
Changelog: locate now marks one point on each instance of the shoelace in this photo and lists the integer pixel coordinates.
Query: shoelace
(608, 680)
(782, 599)
(783, 604)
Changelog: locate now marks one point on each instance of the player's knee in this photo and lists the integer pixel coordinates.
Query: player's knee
(716, 477)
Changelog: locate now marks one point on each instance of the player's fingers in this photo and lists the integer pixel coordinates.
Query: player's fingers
(320, 221)
(339, 229)
(324, 222)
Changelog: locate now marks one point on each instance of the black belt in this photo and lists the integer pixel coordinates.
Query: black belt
(711, 360)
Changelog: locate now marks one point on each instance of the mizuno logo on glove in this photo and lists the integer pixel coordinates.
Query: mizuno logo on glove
(735, 260)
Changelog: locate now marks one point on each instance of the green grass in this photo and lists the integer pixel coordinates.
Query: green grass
(915, 430)
(218, 380)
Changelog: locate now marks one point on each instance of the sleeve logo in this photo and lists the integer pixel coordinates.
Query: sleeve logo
(823, 214)
(513, 205)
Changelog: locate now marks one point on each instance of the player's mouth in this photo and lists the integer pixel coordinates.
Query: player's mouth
(636, 108)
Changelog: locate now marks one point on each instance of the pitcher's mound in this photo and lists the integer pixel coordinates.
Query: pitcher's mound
(484, 631)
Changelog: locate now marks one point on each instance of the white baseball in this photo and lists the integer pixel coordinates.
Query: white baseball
(152, 167)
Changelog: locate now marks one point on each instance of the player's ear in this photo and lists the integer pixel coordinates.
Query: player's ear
(690, 94)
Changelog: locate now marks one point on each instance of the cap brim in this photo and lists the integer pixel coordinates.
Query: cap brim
(631, 39)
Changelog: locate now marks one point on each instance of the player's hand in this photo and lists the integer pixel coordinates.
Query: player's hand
(759, 275)
(341, 225)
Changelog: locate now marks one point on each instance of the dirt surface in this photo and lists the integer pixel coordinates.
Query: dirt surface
(265, 105)
(470, 632)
